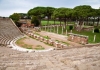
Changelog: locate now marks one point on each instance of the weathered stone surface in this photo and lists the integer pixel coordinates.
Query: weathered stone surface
(78, 38)
(84, 58)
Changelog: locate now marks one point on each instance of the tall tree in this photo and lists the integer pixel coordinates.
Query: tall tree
(82, 12)
(37, 11)
(98, 16)
(15, 17)
(49, 12)
(35, 21)
(59, 13)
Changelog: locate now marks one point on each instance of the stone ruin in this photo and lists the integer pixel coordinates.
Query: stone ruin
(88, 28)
(37, 29)
(82, 39)
(79, 27)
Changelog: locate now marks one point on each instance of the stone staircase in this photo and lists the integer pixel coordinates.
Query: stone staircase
(70, 59)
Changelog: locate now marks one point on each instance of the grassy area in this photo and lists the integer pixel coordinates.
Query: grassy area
(50, 22)
(44, 22)
(90, 35)
(46, 37)
(39, 47)
(22, 44)
(62, 42)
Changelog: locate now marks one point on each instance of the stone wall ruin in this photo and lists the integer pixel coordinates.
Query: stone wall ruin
(82, 39)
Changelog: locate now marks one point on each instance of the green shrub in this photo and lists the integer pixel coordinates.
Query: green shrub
(35, 21)
(96, 30)
(70, 27)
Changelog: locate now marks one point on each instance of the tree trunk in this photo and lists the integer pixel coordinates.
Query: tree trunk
(80, 24)
(93, 21)
(48, 21)
(98, 21)
(65, 23)
(60, 21)
(54, 21)
(87, 21)
(40, 22)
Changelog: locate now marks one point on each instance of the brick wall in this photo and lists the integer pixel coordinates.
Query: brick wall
(82, 39)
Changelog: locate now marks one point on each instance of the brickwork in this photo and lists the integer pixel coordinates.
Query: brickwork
(82, 39)
(88, 28)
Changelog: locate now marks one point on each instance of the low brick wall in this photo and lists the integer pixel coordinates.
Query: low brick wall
(82, 39)
(87, 28)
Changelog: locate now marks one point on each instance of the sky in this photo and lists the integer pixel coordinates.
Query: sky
(8, 7)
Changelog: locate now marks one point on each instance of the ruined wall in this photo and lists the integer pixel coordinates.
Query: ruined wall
(82, 39)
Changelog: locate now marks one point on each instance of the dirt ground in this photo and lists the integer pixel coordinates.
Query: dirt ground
(53, 36)
(35, 43)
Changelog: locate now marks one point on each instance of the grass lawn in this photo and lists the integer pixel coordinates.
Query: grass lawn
(22, 44)
(44, 22)
(39, 47)
(90, 35)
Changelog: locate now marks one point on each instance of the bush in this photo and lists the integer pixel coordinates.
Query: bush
(35, 21)
(70, 27)
(96, 30)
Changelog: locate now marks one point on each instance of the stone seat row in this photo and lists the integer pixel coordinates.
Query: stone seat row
(8, 31)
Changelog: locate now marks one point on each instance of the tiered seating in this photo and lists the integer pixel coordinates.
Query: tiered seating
(8, 31)
(70, 59)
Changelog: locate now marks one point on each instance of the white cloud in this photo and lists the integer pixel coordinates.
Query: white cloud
(96, 6)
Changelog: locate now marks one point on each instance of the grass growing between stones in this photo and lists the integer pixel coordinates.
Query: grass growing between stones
(46, 37)
(63, 42)
(39, 47)
(22, 44)
(37, 34)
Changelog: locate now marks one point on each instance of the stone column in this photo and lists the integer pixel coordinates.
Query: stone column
(48, 28)
(93, 30)
(83, 24)
(40, 28)
(66, 31)
(94, 38)
(45, 27)
(71, 31)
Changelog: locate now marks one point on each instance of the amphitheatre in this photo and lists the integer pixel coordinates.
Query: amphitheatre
(72, 56)
(48, 38)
